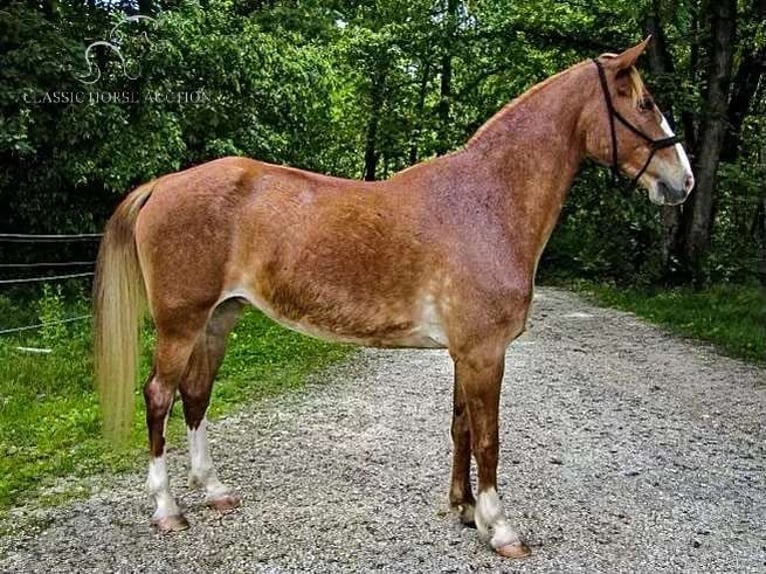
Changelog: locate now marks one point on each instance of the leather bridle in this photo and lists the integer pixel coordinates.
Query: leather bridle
(653, 144)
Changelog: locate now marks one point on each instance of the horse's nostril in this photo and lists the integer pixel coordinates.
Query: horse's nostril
(688, 183)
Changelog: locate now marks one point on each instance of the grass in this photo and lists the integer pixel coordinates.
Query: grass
(731, 317)
(50, 426)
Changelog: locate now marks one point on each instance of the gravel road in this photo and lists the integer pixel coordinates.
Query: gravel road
(624, 449)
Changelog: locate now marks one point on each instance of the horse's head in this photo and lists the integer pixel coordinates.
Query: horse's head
(626, 131)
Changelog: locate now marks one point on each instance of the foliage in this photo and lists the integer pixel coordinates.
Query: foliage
(604, 233)
(51, 311)
(351, 88)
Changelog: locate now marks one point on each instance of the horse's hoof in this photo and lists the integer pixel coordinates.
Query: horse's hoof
(466, 513)
(515, 550)
(168, 524)
(224, 504)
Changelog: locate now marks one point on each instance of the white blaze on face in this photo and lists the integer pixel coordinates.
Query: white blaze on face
(678, 147)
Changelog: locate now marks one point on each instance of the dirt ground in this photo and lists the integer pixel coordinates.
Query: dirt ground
(623, 449)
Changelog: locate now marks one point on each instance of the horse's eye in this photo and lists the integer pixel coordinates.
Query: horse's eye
(646, 104)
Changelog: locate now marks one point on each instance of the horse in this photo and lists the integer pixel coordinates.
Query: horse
(441, 255)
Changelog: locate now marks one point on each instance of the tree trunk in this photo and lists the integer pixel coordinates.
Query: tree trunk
(744, 88)
(661, 66)
(445, 90)
(688, 116)
(660, 62)
(419, 111)
(763, 238)
(51, 9)
(761, 222)
(698, 211)
(146, 7)
(371, 154)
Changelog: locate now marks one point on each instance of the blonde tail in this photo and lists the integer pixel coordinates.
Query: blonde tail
(119, 300)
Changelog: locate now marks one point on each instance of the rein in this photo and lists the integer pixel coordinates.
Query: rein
(654, 145)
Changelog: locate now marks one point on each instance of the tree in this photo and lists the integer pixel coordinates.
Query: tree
(697, 220)
(727, 58)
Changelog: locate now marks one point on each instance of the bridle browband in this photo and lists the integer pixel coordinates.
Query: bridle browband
(654, 145)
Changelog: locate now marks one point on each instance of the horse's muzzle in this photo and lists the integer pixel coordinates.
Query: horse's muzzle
(671, 195)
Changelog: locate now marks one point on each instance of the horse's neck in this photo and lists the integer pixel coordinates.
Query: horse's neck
(533, 148)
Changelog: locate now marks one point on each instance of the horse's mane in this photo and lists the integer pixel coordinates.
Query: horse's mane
(636, 83)
(478, 135)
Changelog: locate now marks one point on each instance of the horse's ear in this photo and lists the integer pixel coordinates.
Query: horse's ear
(628, 57)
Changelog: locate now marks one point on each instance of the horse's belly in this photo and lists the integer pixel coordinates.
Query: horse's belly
(378, 328)
(413, 338)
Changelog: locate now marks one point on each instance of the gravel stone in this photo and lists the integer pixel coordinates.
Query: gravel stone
(623, 449)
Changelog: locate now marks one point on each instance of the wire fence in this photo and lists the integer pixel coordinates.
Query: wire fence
(29, 238)
(41, 325)
(47, 264)
(45, 238)
(45, 278)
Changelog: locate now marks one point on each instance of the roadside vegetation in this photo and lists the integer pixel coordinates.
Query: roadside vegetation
(731, 317)
(50, 425)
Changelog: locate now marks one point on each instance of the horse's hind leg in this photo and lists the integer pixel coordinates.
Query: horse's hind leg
(195, 388)
(171, 357)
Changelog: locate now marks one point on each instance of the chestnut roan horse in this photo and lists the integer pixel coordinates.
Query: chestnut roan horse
(442, 255)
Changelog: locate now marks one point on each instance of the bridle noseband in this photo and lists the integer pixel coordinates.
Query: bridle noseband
(654, 145)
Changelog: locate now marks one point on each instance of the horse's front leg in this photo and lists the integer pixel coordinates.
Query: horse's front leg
(479, 373)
